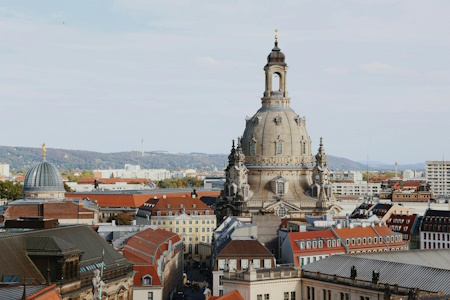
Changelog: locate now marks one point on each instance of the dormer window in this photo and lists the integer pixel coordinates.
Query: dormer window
(195, 213)
(158, 213)
(147, 280)
(194, 205)
(207, 212)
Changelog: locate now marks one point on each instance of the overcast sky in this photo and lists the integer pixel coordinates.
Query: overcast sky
(372, 77)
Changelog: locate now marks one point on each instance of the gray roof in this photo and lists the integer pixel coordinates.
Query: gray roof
(428, 270)
(43, 177)
(14, 260)
(16, 292)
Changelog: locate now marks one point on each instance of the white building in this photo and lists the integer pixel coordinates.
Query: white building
(133, 171)
(355, 176)
(4, 170)
(356, 189)
(438, 176)
(434, 233)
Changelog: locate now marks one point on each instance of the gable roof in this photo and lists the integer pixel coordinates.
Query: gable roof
(244, 248)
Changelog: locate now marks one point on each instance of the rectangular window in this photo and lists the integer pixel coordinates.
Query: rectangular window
(221, 264)
(259, 297)
(150, 295)
(286, 295)
(293, 296)
(221, 280)
(244, 264)
(266, 297)
(267, 263)
(256, 263)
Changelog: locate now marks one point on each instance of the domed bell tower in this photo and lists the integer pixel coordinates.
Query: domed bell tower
(275, 93)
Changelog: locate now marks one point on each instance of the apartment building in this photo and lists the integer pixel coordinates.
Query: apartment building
(303, 248)
(437, 174)
(187, 216)
(349, 188)
(239, 255)
(435, 230)
(158, 263)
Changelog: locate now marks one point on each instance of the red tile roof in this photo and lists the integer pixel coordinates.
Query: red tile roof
(113, 180)
(141, 271)
(176, 204)
(47, 293)
(234, 295)
(132, 200)
(295, 237)
(145, 248)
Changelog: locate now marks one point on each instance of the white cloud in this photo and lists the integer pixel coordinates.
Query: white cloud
(380, 68)
(206, 61)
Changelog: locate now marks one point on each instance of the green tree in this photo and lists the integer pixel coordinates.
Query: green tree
(121, 219)
(67, 188)
(112, 175)
(10, 190)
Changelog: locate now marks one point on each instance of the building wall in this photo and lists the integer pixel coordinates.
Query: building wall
(142, 293)
(274, 288)
(4, 170)
(437, 174)
(192, 229)
(434, 240)
(355, 189)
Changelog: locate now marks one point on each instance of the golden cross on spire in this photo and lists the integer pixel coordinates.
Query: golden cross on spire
(276, 35)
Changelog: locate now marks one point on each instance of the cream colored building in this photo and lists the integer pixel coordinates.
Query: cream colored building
(264, 284)
(370, 276)
(189, 217)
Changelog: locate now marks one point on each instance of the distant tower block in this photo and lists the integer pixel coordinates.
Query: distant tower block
(142, 146)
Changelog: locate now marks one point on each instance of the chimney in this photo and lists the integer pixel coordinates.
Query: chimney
(164, 196)
(113, 222)
(363, 224)
(154, 197)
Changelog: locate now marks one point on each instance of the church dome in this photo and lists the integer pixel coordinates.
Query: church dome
(276, 135)
(276, 56)
(277, 132)
(43, 177)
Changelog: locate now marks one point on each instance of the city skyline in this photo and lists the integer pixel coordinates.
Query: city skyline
(369, 76)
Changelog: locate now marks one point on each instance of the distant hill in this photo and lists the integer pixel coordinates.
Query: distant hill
(22, 158)
(378, 165)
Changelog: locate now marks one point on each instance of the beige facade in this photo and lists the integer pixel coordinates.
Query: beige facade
(193, 229)
(356, 188)
(266, 284)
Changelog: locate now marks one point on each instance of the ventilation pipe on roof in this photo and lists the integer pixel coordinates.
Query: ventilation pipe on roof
(164, 196)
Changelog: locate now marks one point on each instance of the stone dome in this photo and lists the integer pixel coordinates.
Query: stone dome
(43, 179)
(277, 133)
(276, 56)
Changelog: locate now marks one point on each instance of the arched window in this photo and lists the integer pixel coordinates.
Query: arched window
(282, 212)
(276, 82)
(280, 188)
(303, 147)
(279, 147)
